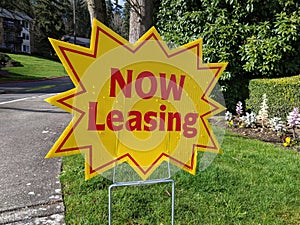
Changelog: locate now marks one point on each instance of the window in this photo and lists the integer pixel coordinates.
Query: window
(8, 36)
(8, 24)
(25, 48)
(25, 24)
(25, 36)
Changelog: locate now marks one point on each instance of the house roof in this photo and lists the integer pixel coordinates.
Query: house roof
(4, 13)
(79, 40)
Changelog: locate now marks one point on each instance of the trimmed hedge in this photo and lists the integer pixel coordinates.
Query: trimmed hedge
(283, 95)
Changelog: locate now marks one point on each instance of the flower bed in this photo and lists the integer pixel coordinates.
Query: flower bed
(285, 132)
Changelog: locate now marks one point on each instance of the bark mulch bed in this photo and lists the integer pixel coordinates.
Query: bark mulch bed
(259, 133)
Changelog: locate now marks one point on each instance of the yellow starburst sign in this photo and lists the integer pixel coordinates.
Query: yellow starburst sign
(138, 103)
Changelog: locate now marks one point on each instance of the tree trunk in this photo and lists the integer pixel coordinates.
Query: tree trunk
(97, 9)
(141, 12)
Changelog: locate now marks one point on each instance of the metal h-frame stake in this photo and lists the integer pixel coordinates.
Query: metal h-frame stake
(141, 182)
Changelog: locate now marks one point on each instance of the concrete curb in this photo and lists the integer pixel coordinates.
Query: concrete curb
(46, 213)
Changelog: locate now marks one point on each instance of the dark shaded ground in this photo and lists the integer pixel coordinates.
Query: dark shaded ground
(51, 85)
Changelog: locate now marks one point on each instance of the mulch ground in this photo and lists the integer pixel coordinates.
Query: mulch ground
(265, 135)
(258, 133)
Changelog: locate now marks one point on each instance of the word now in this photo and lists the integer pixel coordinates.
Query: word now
(134, 120)
(166, 88)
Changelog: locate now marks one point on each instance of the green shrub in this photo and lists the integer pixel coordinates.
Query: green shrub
(283, 95)
(257, 38)
(6, 61)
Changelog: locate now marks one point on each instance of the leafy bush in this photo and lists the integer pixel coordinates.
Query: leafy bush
(257, 38)
(283, 95)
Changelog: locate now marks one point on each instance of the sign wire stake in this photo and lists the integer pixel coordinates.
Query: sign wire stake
(138, 183)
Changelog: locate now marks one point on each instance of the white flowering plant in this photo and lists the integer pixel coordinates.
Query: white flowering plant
(249, 120)
(293, 120)
(263, 113)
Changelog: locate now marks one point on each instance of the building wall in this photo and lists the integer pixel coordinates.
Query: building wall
(1, 32)
(15, 34)
(25, 33)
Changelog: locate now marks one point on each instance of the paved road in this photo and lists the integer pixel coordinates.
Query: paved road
(30, 191)
(40, 86)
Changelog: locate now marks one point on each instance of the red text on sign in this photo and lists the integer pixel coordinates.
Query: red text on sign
(134, 120)
(167, 85)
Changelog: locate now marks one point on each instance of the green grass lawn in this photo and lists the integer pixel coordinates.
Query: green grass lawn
(251, 183)
(33, 68)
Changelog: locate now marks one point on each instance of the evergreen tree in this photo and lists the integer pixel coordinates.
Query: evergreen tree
(49, 22)
(20, 5)
(82, 17)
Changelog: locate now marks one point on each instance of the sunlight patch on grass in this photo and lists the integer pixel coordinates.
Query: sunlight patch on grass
(33, 68)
